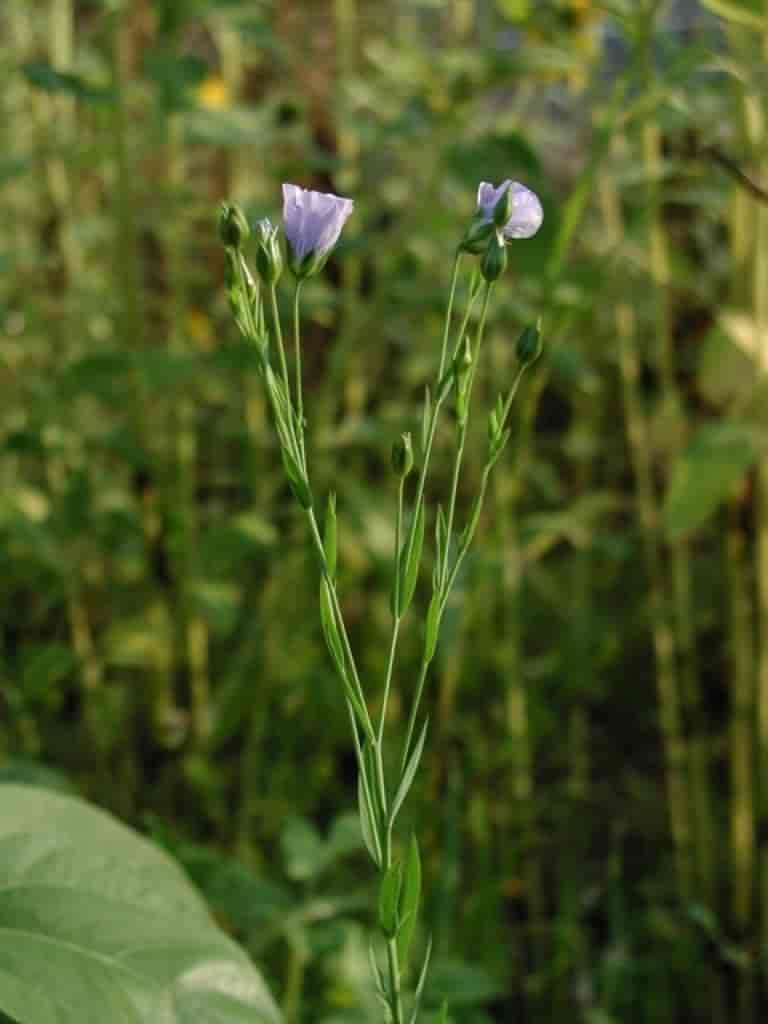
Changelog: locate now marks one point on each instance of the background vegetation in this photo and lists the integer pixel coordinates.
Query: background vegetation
(593, 805)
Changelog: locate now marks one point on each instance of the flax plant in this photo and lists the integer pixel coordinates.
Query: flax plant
(313, 222)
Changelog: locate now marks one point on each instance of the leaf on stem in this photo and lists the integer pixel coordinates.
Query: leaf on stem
(329, 535)
(409, 772)
(336, 648)
(297, 481)
(432, 628)
(469, 530)
(441, 537)
(426, 421)
(330, 629)
(420, 984)
(381, 991)
(389, 899)
(497, 446)
(367, 820)
(410, 560)
(410, 897)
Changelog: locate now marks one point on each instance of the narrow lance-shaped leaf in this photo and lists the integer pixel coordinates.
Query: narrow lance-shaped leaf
(474, 517)
(441, 537)
(297, 480)
(334, 644)
(409, 772)
(410, 561)
(420, 983)
(432, 628)
(497, 446)
(367, 821)
(330, 535)
(426, 420)
(389, 899)
(410, 897)
(376, 972)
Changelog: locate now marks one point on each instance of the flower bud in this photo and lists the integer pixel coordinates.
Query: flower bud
(462, 365)
(402, 456)
(233, 226)
(269, 258)
(494, 261)
(529, 345)
(477, 235)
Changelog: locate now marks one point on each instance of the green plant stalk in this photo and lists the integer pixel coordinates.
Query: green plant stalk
(396, 617)
(350, 383)
(59, 185)
(436, 405)
(741, 745)
(385, 837)
(505, 597)
(670, 716)
(193, 638)
(761, 329)
(278, 333)
(672, 406)
(294, 983)
(297, 368)
(462, 427)
(445, 590)
(158, 697)
(581, 668)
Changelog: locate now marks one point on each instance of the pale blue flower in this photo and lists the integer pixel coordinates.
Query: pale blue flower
(313, 223)
(525, 212)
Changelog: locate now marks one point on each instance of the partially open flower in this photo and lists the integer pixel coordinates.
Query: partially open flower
(511, 208)
(522, 208)
(269, 261)
(313, 223)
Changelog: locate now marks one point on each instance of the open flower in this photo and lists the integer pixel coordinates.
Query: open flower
(313, 223)
(521, 212)
(511, 210)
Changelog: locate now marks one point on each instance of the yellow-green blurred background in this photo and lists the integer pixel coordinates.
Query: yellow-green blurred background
(593, 800)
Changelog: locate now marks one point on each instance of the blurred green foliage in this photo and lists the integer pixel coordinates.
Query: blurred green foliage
(594, 799)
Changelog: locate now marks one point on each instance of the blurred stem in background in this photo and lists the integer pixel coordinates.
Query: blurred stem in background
(670, 430)
(756, 119)
(640, 452)
(66, 457)
(521, 855)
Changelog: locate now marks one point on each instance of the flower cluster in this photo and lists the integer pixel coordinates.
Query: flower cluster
(313, 222)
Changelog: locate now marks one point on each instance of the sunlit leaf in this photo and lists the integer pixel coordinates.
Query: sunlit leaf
(111, 924)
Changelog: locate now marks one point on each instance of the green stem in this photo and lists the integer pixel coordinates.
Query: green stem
(463, 435)
(279, 339)
(438, 402)
(448, 312)
(396, 617)
(297, 368)
(320, 550)
(445, 590)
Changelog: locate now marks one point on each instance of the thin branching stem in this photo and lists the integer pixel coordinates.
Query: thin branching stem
(396, 617)
(425, 661)
(297, 369)
(279, 341)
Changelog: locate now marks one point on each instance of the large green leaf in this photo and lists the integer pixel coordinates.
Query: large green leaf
(98, 924)
(705, 474)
